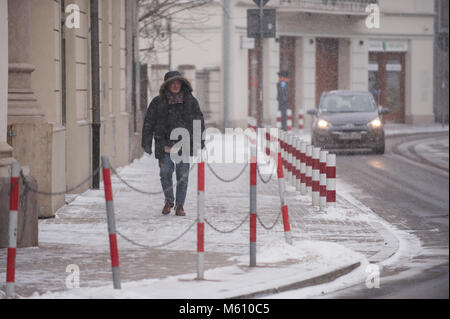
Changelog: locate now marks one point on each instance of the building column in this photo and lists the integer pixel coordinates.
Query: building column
(17, 101)
(5, 150)
(306, 76)
(22, 103)
(25, 116)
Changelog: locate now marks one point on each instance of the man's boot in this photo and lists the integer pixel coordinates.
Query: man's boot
(180, 211)
(167, 207)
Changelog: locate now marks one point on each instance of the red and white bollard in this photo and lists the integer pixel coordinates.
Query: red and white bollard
(268, 143)
(12, 230)
(289, 157)
(284, 207)
(282, 148)
(252, 125)
(298, 143)
(331, 180)
(303, 168)
(316, 176)
(309, 149)
(300, 122)
(253, 217)
(114, 251)
(289, 119)
(279, 119)
(323, 180)
(201, 218)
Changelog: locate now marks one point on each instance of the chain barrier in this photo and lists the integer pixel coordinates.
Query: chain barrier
(267, 227)
(227, 180)
(24, 204)
(226, 231)
(262, 179)
(159, 245)
(145, 192)
(33, 190)
(222, 178)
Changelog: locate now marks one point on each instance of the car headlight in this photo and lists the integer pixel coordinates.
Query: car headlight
(376, 123)
(323, 124)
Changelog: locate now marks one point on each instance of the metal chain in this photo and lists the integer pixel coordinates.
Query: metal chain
(24, 205)
(217, 175)
(145, 192)
(159, 245)
(227, 180)
(58, 193)
(271, 227)
(132, 187)
(262, 179)
(226, 231)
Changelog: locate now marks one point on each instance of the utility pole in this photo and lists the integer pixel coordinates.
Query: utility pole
(95, 95)
(169, 30)
(226, 62)
(261, 61)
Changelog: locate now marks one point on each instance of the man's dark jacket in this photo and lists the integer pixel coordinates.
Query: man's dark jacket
(159, 120)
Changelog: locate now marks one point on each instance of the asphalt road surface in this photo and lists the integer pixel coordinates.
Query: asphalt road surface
(408, 186)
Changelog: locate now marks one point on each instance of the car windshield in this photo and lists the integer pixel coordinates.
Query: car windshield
(347, 103)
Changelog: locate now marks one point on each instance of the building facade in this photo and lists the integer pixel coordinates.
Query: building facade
(325, 45)
(46, 93)
(441, 57)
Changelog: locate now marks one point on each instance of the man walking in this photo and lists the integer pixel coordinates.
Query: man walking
(174, 107)
(283, 96)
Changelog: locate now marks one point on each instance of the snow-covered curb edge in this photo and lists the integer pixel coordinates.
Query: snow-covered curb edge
(318, 280)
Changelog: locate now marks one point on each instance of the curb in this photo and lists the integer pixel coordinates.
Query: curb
(318, 280)
(406, 133)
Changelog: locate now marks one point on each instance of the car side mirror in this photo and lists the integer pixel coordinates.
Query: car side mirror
(312, 111)
(383, 110)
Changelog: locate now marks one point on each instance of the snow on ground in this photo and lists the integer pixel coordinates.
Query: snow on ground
(304, 260)
(392, 129)
(323, 241)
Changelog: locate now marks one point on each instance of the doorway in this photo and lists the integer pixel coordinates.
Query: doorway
(387, 83)
(287, 63)
(327, 55)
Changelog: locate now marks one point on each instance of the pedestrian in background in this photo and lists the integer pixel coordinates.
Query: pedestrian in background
(283, 96)
(174, 107)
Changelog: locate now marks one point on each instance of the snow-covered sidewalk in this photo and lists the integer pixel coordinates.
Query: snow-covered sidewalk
(155, 266)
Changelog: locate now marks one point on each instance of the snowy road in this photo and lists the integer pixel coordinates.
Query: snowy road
(408, 187)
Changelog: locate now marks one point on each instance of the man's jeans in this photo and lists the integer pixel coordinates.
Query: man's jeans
(166, 168)
(283, 119)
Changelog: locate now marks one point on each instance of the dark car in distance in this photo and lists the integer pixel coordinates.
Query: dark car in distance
(348, 120)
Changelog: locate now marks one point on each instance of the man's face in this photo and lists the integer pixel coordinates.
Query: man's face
(175, 86)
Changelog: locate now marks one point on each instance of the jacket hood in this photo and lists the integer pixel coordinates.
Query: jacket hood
(186, 85)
